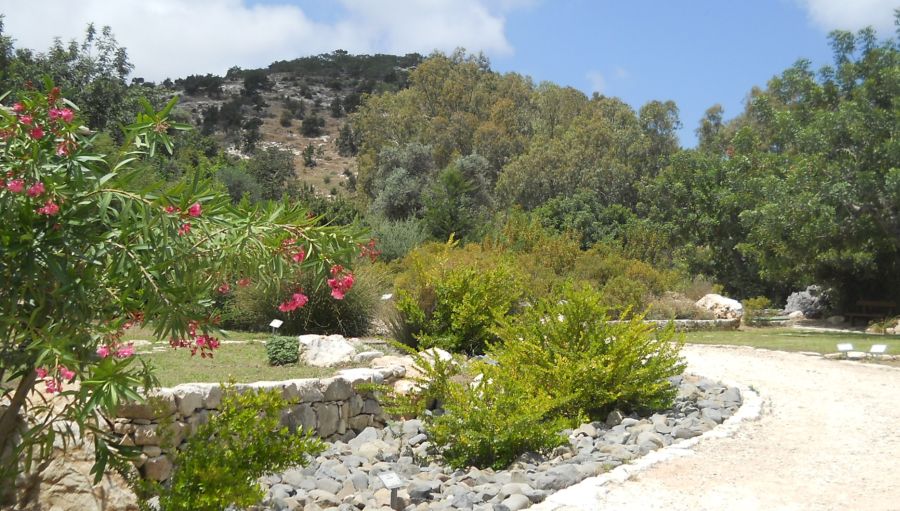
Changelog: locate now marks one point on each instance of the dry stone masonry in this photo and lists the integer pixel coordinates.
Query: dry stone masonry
(334, 408)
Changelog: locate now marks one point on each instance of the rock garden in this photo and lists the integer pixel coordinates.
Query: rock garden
(345, 476)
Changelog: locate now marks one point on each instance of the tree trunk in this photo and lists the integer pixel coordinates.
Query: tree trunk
(9, 421)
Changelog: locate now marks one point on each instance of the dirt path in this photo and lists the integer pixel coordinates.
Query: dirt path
(828, 438)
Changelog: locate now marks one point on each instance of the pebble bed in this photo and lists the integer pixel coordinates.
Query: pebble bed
(345, 476)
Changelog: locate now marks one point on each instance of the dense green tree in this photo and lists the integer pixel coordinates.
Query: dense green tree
(273, 169)
(312, 125)
(346, 141)
(92, 73)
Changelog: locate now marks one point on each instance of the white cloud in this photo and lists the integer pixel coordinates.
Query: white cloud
(852, 14)
(596, 81)
(172, 38)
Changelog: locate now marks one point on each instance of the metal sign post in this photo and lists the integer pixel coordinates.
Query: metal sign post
(275, 324)
(392, 482)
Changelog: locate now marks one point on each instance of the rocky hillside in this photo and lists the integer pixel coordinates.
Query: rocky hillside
(298, 105)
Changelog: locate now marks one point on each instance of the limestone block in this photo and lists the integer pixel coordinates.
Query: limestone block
(328, 416)
(158, 468)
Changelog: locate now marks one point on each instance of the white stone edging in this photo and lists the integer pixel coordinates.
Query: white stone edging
(586, 495)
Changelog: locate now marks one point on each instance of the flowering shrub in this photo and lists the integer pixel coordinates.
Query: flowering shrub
(83, 256)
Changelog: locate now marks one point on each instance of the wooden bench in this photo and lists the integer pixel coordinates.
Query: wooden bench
(872, 309)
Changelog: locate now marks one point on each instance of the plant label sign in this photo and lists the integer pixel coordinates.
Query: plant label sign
(878, 348)
(845, 346)
(276, 323)
(391, 480)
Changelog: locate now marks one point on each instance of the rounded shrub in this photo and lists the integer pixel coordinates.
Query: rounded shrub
(282, 350)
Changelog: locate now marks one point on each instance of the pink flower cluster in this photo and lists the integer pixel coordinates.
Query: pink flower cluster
(118, 350)
(49, 208)
(193, 211)
(293, 252)
(63, 114)
(369, 250)
(340, 282)
(17, 185)
(203, 343)
(54, 383)
(296, 301)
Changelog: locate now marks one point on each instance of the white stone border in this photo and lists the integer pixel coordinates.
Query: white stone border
(587, 494)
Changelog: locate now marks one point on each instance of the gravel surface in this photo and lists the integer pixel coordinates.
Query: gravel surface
(827, 439)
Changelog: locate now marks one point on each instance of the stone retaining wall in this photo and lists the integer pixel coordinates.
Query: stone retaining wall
(696, 325)
(331, 407)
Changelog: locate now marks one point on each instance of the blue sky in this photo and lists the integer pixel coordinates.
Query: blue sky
(695, 52)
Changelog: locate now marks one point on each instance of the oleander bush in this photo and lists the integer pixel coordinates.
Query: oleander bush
(249, 308)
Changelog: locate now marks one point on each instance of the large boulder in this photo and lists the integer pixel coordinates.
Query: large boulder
(326, 350)
(812, 302)
(721, 307)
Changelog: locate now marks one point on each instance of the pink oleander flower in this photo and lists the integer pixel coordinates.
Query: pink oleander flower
(16, 185)
(297, 300)
(171, 209)
(298, 256)
(195, 210)
(49, 208)
(36, 189)
(224, 288)
(184, 229)
(18, 108)
(66, 373)
(244, 282)
(41, 372)
(26, 120)
(103, 351)
(37, 133)
(340, 285)
(61, 113)
(125, 351)
(52, 387)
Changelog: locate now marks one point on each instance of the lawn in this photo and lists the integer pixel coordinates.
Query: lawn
(245, 361)
(792, 339)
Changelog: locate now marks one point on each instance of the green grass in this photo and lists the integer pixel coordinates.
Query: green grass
(792, 339)
(245, 361)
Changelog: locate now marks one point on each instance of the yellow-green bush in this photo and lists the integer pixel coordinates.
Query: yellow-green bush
(451, 298)
(558, 363)
(589, 365)
(219, 466)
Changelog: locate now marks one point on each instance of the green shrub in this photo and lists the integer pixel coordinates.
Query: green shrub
(588, 365)
(222, 461)
(621, 294)
(397, 238)
(283, 350)
(493, 421)
(753, 309)
(452, 298)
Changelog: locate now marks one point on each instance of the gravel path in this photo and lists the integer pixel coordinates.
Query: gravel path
(828, 438)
